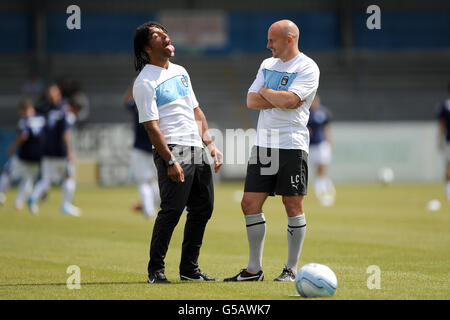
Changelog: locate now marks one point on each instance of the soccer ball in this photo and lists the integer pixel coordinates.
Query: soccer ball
(386, 175)
(315, 280)
(434, 205)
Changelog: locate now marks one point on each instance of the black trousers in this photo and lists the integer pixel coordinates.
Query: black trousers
(196, 193)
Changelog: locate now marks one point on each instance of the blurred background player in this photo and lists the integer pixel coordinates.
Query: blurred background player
(33, 87)
(58, 157)
(142, 165)
(320, 150)
(76, 99)
(444, 138)
(24, 166)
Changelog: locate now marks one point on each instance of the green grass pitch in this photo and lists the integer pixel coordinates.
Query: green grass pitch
(389, 227)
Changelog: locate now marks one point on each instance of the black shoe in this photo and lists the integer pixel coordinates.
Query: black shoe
(197, 276)
(244, 275)
(287, 275)
(157, 277)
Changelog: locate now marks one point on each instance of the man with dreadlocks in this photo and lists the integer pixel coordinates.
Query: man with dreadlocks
(177, 129)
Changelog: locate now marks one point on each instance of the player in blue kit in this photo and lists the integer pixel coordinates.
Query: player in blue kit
(142, 165)
(444, 138)
(58, 157)
(24, 165)
(320, 150)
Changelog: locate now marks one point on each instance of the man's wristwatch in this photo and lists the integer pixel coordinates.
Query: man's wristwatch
(171, 162)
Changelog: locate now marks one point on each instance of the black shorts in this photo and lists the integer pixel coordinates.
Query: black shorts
(277, 171)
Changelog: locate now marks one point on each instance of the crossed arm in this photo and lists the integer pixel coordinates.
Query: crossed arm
(268, 98)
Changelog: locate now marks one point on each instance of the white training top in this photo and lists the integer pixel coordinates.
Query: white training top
(282, 128)
(166, 95)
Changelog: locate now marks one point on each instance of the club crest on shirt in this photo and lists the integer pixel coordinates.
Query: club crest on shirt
(183, 80)
(284, 80)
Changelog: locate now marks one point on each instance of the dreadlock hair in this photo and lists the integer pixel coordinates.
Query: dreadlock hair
(141, 41)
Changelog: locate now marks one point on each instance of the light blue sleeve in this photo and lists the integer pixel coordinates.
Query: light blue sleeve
(145, 97)
(258, 83)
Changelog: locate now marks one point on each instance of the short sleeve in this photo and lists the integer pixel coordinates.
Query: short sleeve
(258, 83)
(70, 119)
(22, 126)
(145, 98)
(306, 82)
(192, 96)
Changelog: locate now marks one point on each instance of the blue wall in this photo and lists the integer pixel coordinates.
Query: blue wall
(99, 33)
(14, 33)
(247, 31)
(429, 29)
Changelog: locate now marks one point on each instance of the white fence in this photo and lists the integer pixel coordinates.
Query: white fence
(359, 151)
(409, 148)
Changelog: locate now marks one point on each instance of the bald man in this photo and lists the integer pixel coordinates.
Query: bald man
(283, 91)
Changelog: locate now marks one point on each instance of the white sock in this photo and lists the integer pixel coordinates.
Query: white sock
(155, 192)
(320, 186)
(145, 193)
(68, 188)
(4, 182)
(256, 232)
(323, 185)
(24, 189)
(296, 232)
(329, 186)
(41, 187)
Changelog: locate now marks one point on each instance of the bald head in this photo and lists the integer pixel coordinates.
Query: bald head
(286, 28)
(283, 38)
